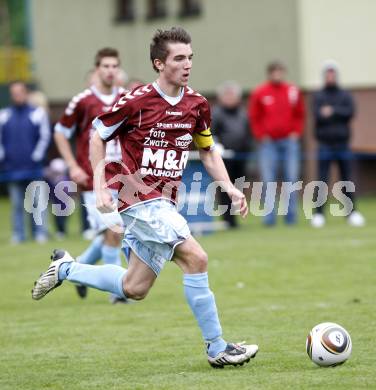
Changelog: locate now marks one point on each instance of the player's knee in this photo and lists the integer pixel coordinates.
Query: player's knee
(202, 261)
(197, 262)
(135, 291)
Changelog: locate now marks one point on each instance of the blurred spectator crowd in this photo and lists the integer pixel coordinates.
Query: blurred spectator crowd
(260, 139)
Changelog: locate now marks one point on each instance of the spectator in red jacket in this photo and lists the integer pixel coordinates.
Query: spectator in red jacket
(276, 114)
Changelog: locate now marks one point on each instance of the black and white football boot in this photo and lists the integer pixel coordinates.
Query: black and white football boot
(50, 279)
(233, 355)
(119, 300)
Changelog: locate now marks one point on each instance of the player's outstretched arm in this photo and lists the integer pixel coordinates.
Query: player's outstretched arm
(104, 199)
(214, 165)
(76, 173)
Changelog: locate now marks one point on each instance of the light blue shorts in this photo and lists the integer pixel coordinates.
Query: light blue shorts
(152, 231)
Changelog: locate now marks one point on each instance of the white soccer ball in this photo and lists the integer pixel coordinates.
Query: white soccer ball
(328, 344)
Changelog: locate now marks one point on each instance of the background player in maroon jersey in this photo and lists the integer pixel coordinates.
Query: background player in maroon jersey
(156, 123)
(76, 121)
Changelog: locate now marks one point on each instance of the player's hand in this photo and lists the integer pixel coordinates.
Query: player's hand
(239, 201)
(105, 202)
(78, 175)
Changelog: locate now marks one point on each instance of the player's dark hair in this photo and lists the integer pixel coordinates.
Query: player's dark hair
(105, 52)
(158, 46)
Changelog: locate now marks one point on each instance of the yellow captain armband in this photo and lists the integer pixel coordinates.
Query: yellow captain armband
(203, 139)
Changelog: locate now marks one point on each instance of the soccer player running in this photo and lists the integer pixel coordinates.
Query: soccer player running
(77, 121)
(156, 124)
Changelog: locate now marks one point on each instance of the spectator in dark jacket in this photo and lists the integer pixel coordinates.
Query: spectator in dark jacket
(230, 127)
(333, 109)
(24, 139)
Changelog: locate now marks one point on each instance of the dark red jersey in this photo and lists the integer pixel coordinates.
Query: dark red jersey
(155, 133)
(77, 121)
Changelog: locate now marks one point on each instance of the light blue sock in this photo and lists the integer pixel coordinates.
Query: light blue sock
(111, 254)
(106, 277)
(202, 303)
(93, 253)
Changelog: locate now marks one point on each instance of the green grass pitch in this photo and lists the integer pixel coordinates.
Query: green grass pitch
(271, 285)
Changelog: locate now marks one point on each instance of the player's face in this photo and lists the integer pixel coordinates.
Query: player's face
(178, 64)
(107, 70)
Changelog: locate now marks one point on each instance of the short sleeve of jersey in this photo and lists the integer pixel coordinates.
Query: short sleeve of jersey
(109, 125)
(202, 136)
(68, 122)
